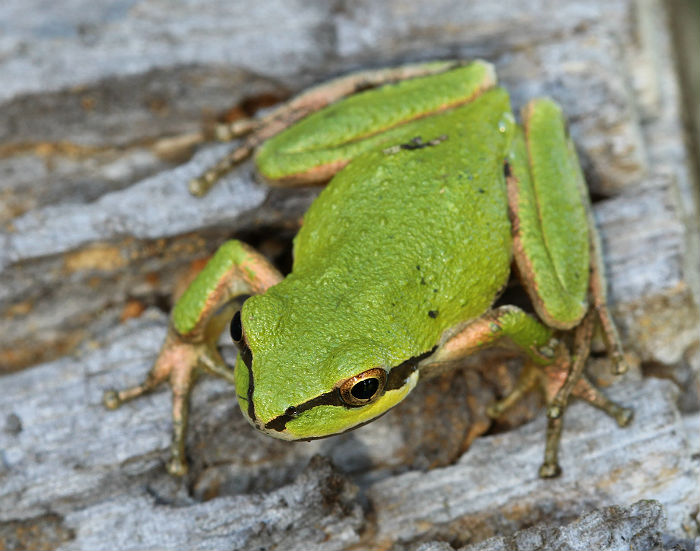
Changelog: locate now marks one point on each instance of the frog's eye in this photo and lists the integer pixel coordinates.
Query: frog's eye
(239, 338)
(363, 388)
(236, 328)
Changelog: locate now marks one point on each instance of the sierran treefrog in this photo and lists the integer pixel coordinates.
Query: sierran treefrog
(434, 191)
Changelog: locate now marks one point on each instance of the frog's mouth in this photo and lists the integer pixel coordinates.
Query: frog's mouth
(293, 424)
(327, 415)
(279, 423)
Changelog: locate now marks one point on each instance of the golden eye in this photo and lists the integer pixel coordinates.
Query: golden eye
(363, 388)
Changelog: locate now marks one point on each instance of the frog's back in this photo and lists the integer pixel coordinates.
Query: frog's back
(414, 235)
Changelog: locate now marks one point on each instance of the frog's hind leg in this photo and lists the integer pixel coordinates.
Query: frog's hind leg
(258, 131)
(319, 96)
(557, 253)
(564, 378)
(559, 380)
(597, 291)
(557, 248)
(585, 390)
(577, 384)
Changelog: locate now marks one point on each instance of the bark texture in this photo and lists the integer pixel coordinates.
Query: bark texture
(103, 111)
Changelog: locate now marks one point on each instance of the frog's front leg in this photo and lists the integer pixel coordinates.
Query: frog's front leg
(548, 365)
(510, 322)
(195, 325)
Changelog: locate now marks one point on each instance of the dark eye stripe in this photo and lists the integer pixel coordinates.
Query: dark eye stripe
(396, 379)
(246, 356)
(331, 398)
(236, 328)
(398, 375)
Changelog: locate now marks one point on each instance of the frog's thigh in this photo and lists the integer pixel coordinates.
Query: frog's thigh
(550, 223)
(508, 322)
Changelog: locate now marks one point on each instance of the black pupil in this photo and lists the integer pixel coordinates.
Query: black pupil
(365, 389)
(236, 329)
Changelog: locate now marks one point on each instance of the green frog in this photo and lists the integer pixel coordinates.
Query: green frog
(434, 193)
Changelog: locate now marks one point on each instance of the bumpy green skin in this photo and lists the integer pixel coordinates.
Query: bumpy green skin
(553, 220)
(364, 121)
(188, 310)
(400, 246)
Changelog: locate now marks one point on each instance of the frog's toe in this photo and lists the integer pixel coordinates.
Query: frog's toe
(495, 410)
(555, 411)
(110, 399)
(176, 466)
(624, 416)
(550, 470)
(587, 391)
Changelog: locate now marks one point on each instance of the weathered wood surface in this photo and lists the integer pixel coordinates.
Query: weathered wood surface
(634, 527)
(100, 110)
(100, 474)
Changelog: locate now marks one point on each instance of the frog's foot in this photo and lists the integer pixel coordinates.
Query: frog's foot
(585, 390)
(558, 375)
(178, 362)
(551, 379)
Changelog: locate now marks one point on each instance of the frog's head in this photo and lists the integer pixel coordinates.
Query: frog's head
(297, 388)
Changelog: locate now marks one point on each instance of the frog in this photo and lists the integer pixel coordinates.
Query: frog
(435, 196)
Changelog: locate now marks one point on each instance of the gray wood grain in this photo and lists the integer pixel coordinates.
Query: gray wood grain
(102, 110)
(102, 472)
